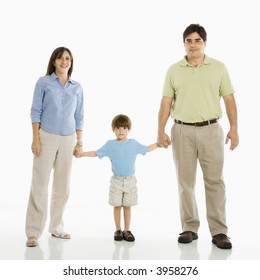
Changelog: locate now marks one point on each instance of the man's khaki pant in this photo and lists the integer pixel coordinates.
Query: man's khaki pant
(56, 154)
(205, 144)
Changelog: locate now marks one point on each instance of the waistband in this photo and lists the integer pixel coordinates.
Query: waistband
(122, 178)
(198, 123)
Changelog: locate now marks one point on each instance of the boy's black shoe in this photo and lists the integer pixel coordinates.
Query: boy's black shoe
(118, 235)
(128, 236)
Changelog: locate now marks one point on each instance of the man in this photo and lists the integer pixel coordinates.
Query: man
(191, 95)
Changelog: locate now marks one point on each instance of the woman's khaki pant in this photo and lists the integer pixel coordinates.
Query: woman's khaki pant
(56, 155)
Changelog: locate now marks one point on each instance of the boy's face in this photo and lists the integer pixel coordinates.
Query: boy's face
(121, 133)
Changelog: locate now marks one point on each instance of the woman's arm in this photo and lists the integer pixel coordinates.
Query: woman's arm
(79, 145)
(36, 144)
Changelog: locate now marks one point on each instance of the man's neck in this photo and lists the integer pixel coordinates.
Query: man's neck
(196, 61)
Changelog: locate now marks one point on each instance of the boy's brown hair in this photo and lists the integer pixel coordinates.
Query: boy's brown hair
(121, 121)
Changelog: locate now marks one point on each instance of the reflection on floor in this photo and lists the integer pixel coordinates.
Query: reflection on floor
(92, 241)
(82, 249)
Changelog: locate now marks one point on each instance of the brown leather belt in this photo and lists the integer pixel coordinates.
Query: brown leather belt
(198, 123)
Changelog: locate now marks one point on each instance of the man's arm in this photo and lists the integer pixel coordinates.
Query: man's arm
(163, 116)
(231, 110)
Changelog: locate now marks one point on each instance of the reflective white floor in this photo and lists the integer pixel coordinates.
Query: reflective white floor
(78, 248)
(93, 240)
(92, 245)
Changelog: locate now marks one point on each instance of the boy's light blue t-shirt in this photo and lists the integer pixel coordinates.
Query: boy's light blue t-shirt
(122, 155)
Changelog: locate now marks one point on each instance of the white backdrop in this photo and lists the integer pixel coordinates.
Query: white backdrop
(122, 50)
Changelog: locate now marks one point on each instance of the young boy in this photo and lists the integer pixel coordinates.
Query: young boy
(122, 153)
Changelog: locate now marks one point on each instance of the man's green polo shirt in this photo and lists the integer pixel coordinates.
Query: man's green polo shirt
(196, 91)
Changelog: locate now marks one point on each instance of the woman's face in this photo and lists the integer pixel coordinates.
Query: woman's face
(62, 64)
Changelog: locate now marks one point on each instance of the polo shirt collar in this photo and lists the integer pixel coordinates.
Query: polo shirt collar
(184, 62)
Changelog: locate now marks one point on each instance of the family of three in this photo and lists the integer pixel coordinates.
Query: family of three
(192, 93)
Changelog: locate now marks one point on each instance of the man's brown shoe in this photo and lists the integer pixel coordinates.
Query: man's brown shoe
(187, 237)
(222, 241)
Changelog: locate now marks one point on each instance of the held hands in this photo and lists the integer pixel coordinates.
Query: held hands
(163, 140)
(77, 151)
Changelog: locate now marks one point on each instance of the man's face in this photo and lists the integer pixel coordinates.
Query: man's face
(194, 46)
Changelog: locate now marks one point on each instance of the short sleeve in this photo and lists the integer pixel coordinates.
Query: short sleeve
(168, 87)
(140, 148)
(226, 87)
(103, 151)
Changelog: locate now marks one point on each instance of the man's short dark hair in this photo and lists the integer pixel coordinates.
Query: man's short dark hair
(195, 28)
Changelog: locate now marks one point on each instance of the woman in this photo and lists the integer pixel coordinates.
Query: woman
(57, 121)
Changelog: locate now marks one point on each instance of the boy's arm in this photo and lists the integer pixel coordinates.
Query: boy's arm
(88, 154)
(152, 147)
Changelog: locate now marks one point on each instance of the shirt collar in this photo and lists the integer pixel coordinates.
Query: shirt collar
(184, 62)
(54, 77)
